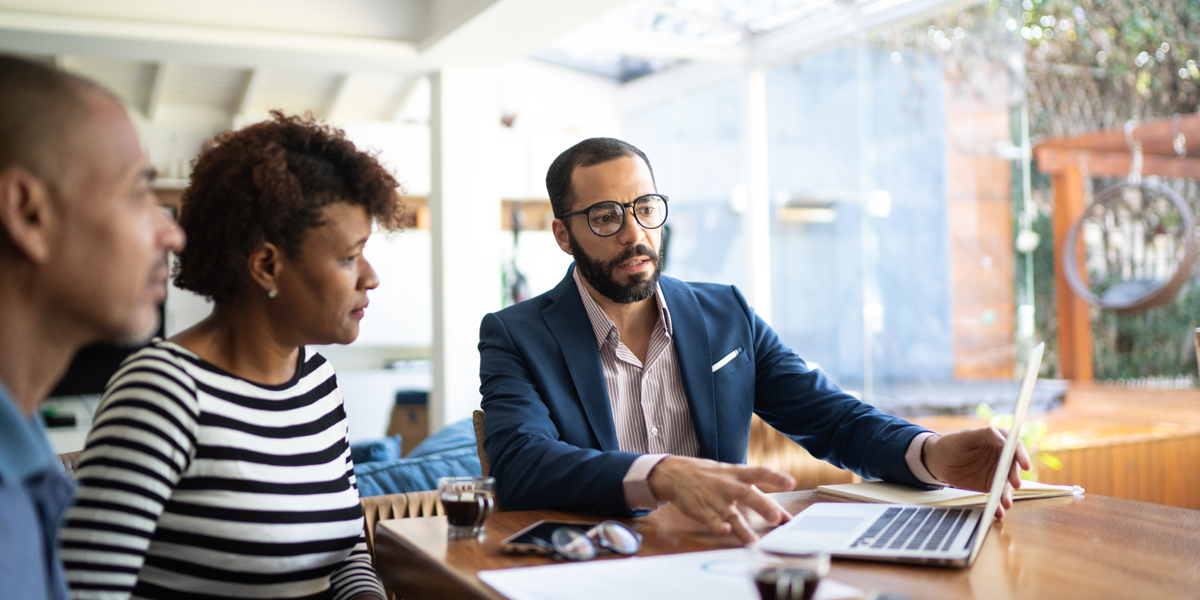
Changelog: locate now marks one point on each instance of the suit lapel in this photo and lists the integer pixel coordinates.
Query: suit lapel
(568, 323)
(690, 336)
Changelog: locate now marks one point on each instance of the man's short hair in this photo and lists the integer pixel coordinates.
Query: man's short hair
(41, 108)
(589, 152)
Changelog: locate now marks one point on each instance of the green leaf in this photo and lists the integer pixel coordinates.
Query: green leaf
(985, 412)
(1050, 461)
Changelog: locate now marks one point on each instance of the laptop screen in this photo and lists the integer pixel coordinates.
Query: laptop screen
(996, 492)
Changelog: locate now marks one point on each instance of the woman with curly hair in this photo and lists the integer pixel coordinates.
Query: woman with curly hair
(218, 465)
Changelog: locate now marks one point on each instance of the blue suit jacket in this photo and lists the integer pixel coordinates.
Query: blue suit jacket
(549, 432)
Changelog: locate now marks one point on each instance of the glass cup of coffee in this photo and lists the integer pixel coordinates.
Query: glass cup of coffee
(467, 501)
(785, 583)
(789, 577)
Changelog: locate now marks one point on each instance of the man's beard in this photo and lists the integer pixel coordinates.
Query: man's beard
(600, 274)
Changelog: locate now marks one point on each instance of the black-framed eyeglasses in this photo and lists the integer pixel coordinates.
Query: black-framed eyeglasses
(569, 543)
(607, 218)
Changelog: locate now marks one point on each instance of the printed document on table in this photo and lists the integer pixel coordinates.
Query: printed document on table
(712, 575)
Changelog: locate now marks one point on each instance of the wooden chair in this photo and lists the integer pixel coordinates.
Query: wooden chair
(769, 448)
(70, 460)
(477, 419)
(398, 506)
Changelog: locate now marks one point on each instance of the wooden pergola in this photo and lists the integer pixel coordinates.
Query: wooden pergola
(1104, 153)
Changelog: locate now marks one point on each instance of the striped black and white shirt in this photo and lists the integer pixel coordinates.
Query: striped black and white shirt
(196, 484)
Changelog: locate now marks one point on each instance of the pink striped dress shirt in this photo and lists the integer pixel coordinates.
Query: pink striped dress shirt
(649, 407)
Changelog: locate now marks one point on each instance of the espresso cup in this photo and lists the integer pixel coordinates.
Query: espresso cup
(467, 502)
(786, 583)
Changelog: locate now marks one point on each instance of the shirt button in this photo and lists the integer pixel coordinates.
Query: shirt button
(653, 431)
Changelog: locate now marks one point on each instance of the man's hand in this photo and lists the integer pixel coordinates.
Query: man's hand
(709, 491)
(967, 459)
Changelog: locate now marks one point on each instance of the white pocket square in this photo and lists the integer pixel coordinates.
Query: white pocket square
(725, 361)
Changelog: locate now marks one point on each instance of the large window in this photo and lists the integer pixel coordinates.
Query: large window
(897, 186)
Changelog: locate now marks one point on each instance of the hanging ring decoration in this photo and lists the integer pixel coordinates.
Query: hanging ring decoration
(1178, 140)
(1155, 296)
(1138, 295)
(1135, 150)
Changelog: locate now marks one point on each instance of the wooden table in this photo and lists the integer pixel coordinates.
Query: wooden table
(1069, 547)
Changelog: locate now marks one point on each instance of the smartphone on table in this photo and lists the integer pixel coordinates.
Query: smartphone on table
(535, 539)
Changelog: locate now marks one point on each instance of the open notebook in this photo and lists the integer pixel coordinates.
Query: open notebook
(892, 493)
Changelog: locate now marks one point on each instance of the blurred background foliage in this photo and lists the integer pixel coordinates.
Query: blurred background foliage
(1088, 65)
(1095, 64)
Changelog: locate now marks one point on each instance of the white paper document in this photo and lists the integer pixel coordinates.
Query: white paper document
(713, 575)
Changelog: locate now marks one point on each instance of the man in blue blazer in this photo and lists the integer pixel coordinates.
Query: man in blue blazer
(620, 388)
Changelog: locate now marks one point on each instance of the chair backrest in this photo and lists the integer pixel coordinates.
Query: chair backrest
(398, 506)
(477, 418)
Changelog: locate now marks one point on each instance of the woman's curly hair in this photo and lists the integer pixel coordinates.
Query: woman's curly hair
(269, 183)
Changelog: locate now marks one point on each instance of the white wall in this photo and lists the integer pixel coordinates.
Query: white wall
(174, 138)
(555, 107)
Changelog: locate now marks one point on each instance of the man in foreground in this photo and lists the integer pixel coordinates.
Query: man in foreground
(83, 259)
(620, 389)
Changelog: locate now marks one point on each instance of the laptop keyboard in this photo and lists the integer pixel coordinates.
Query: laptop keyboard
(929, 528)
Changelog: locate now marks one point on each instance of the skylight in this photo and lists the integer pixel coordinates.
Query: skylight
(648, 35)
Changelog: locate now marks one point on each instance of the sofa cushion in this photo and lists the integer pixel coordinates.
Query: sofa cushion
(451, 437)
(378, 450)
(415, 474)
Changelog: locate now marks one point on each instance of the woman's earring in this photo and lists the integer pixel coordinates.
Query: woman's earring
(272, 293)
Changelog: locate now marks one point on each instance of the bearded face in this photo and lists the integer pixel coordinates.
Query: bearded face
(602, 275)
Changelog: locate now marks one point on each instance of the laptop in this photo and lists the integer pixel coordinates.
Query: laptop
(928, 535)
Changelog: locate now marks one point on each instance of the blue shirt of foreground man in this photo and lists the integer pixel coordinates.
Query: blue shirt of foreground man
(83, 246)
(620, 389)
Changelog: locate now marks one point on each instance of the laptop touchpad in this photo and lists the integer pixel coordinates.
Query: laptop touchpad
(811, 534)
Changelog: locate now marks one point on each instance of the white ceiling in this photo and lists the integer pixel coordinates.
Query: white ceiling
(383, 19)
(351, 59)
(362, 59)
(648, 36)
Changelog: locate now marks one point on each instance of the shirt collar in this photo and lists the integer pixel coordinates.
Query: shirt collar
(24, 449)
(602, 326)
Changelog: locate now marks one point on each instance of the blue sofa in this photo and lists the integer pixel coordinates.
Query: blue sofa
(379, 469)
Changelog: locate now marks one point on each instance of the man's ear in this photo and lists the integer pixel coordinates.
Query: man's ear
(26, 213)
(561, 235)
(265, 265)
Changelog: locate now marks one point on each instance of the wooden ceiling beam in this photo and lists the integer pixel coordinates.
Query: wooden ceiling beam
(334, 98)
(157, 85)
(251, 80)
